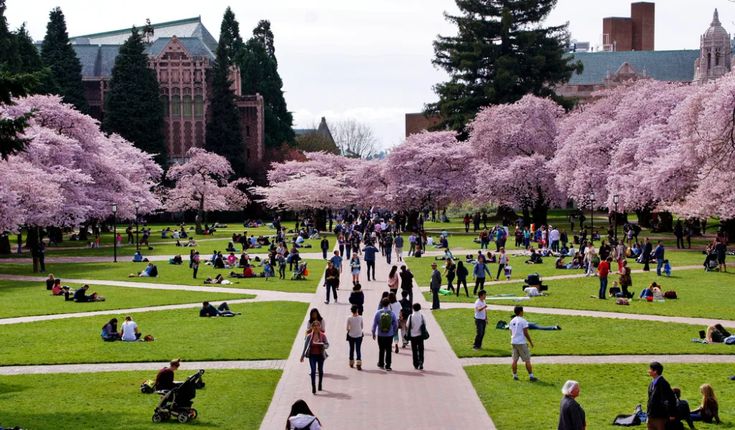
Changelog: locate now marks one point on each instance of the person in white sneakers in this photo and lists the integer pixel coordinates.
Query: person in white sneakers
(518, 337)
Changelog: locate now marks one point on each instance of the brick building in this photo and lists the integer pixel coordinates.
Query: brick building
(631, 34)
(181, 53)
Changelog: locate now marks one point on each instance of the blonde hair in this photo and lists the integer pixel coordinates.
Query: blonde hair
(708, 396)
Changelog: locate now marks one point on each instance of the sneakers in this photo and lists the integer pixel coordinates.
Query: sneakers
(515, 377)
(388, 369)
(476, 348)
(381, 366)
(558, 327)
(421, 366)
(326, 303)
(533, 379)
(396, 349)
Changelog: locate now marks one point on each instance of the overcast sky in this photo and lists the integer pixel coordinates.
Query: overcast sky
(368, 60)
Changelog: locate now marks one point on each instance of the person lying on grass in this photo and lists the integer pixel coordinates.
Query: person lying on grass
(151, 271)
(219, 279)
(502, 325)
(223, 310)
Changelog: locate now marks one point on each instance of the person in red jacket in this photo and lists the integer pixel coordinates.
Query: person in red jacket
(603, 269)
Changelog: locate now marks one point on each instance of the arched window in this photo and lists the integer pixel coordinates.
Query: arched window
(175, 105)
(717, 58)
(187, 106)
(198, 106)
(709, 60)
(164, 102)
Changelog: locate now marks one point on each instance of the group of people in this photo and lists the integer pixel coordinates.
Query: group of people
(129, 331)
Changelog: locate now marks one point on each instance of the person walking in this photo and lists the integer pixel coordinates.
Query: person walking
(385, 324)
(354, 337)
(603, 269)
(325, 247)
(450, 271)
(194, 263)
(462, 273)
(520, 340)
(658, 254)
(369, 255)
(302, 418)
(388, 246)
(407, 282)
(357, 298)
(502, 262)
(355, 268)
(331, 281)
(393, 280)
(479, 272)
(398, 242)
(315, 348)
(571, 414)
(480, 319)
(646, 254)
(436, 282)
(661, 406)
(416, 326)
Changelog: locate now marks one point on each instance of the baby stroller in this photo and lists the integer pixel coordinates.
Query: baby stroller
(177, 402)
(300, 272)
(710, 263)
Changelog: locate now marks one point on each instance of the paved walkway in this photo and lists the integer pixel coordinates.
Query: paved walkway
(605, 359)
(186, 366)
(261, 295)
(597, 314)
(373, 398)
(127, 258)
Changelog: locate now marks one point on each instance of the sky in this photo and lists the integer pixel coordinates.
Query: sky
(363, 60)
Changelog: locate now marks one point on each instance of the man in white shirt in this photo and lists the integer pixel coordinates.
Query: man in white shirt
(554, 236)
(518, 336)
(130, 332)
(480, 319)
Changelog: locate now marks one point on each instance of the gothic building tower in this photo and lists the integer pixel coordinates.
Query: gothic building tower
(715, 52)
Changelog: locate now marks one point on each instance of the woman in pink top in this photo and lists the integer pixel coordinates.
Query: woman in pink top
(393, 280)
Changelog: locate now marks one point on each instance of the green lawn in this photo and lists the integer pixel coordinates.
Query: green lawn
(263, 331)
(579, 336)
(232, 399)
(701, 294)
(171, 274)
(605, 391)
(31, 298)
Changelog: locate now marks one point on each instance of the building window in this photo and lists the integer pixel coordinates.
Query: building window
(164, 102)
(187, 106)
(247, 130)
(709, 60)
(198, 106)
(717, 58)
(175, 105)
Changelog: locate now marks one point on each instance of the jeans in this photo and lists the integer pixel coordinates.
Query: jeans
(555, 245)
(534, 326)
(370, 268)
(479, 283)
(314, 362)
(480, 325)
(324, 254)
(460, 282)
(348, 250)
(435, 299)
(355, 347)
(387, 255)
(384, 351)
(195, 270)
(333, 288)
(417, 350)
(659, 265)
(603, 286)
(410, 294)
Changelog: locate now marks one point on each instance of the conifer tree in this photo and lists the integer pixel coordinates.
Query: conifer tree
(500, 53)
(133, 108)
(223, 125)
(259, 71)
(58, 54)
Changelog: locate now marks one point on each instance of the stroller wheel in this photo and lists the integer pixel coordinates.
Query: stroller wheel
(156, 418)
(183, 418)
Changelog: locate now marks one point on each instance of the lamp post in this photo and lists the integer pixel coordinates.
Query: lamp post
(616, 199)
(592, 216)
(137, 242)
(114, 232)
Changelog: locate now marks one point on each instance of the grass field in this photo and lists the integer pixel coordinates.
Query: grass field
(605, 391)
(578, 336)
(171, 274)
(704, 295)
(31, 298)
(263, 331)
(232, 399)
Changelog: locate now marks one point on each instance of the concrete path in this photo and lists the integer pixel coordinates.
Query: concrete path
(373, 398)
(186, 367)
(262, 295)
(128, 258)
(605, 359)
(597, 314)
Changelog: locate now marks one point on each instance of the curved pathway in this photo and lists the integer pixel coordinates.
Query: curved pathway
(604, 359)
(119, 367)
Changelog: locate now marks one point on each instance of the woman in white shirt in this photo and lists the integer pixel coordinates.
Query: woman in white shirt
(354, 337)
(130, 331)
(395, 307)
(415, 324)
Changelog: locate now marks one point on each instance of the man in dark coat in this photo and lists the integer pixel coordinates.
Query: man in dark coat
(661, 406)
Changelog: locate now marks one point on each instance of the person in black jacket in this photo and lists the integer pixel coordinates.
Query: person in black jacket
(357, 298)
(661, 406)
(683, 413)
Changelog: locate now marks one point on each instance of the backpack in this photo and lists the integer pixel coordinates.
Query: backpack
(671, 294)
(307, 426)
(385, 322)
(723, 330)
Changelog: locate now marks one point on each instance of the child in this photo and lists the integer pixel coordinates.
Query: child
(508, 270)
(615, 290)
(667, 268)
(267, 270)
(281, 267)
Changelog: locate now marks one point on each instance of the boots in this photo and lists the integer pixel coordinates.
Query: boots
(358, 363)
(320, 382)
(352, 363)
(313, 389)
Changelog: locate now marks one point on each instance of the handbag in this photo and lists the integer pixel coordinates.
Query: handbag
(424, 332)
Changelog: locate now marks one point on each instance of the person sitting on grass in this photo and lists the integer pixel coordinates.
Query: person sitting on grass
(223, 310)
(230, 247)
(150, 271)
(176, 259)
(129, 331)
(708, 411)
(231, 260)
(535, 258)
(191, 243)
(109, 331)
(80, 296)
(137, 257)
(559, 264)
(447, 255)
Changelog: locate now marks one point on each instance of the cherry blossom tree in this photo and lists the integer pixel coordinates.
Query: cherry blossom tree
(202, 185)
(306, 192)
(512, 147)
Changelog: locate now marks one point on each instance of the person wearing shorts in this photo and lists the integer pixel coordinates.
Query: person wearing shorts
(520, 340)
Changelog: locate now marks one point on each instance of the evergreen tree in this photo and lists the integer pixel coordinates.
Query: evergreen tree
(500, 53)
(223, 126)
(58, 54)
(259, 71)
(29, 61)
(8, 48)
(133, 107)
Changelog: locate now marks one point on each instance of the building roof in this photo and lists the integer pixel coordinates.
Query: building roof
(189, 27)
(660, 65)
(193, 45)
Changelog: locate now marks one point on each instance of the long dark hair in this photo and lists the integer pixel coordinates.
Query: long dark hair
(318, 315)
(112, 323)
(300, 407)
(393, 271)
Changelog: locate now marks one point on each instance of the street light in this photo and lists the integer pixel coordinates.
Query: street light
(592, 216)
(616, 199)
(114, 231)
(137, 242)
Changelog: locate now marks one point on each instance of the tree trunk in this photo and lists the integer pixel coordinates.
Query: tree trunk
(526, 216)
(199, 219)
(20, 242)
(32, 240)
(540, 214)
(644, 216)
(83, 232)
(55, 234)
(321, 220)
(729, 227)
(412, 220)
(5, 244)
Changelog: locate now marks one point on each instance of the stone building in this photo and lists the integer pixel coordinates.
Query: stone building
(715, 52)
(181, 53)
